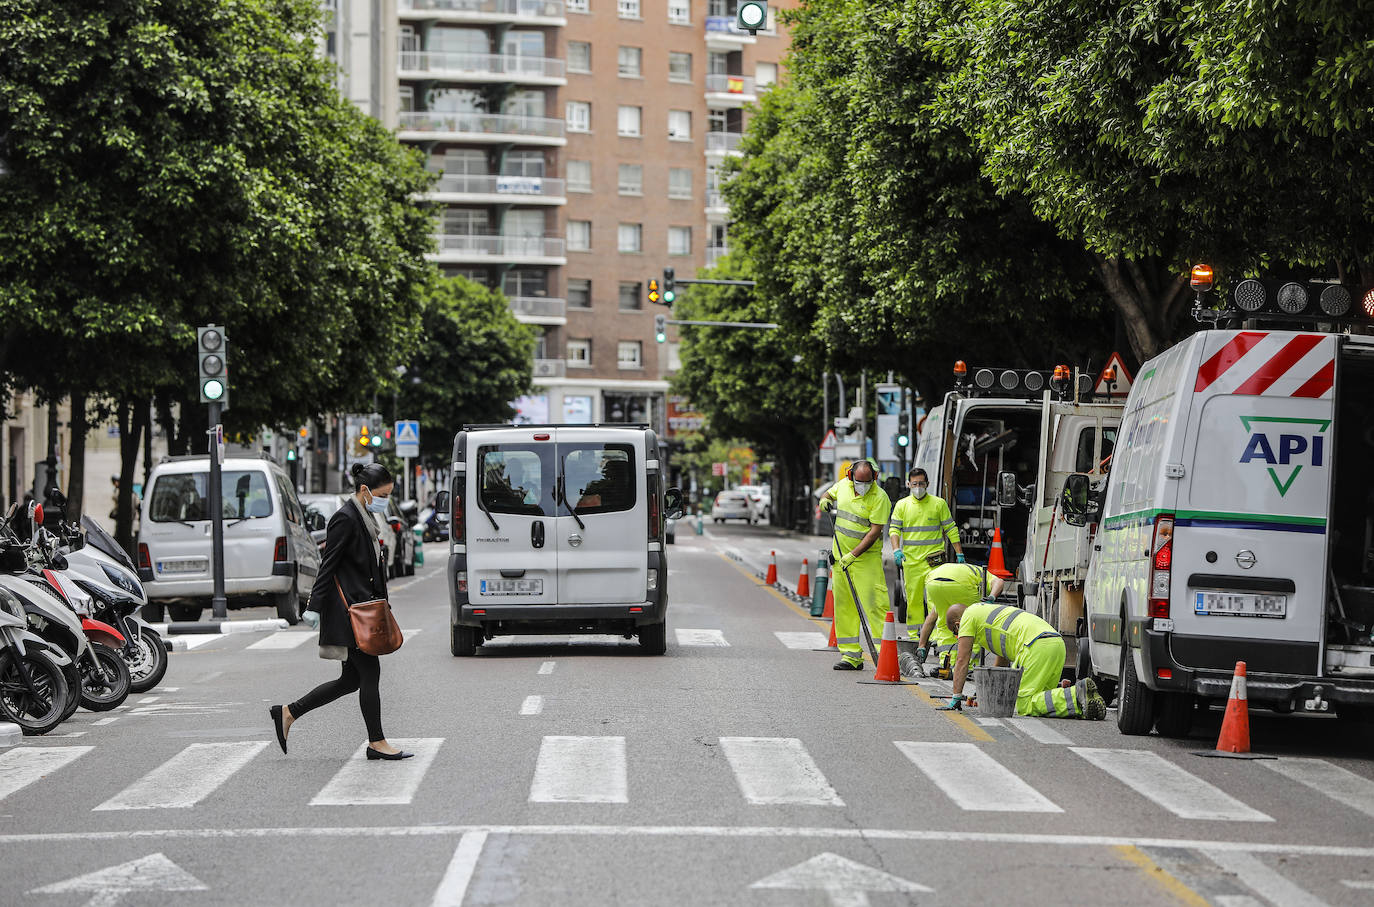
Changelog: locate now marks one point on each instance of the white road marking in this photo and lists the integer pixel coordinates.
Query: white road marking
(973, 779)
(580, 770)
(533, 705)
(65, 736)
(989, 722)
(187, 778)
(196, 640)
(170, 689)
(454, 886)
(777, 770)
(394, 784)
(147, 699)
(1265, 882)
(801, 639)
(701, 638)
(1039, 730)
(1358, 884)
(284, 639)
(1341, 785)
(1180, 792)
(21, 767)
(109, 719)
(547, 667)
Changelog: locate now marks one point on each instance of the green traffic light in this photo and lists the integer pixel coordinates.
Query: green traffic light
(212, 388)
(376, 440)
(669, 296)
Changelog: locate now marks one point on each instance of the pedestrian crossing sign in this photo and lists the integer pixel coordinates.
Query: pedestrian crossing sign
(408, 439)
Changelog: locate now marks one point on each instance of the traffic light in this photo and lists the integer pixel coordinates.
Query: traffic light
(669, 292)
(661, 328)
(364, 438)
(211, 350)
(903, 430)
(653, 291)
(378, 432)
(751, 15)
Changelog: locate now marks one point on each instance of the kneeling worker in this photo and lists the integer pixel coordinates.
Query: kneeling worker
(861, 513)
(945, 586)
(1021, 639)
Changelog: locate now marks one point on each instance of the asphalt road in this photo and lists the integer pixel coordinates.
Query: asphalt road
(737, 769)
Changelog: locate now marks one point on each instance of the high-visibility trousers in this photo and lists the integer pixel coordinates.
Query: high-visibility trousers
(914, 573)
(871, 584)
(1042, 664)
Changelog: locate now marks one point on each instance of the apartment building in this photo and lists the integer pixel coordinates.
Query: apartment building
(578, 144)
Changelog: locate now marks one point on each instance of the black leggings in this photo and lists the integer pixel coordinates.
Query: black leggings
(361, 672)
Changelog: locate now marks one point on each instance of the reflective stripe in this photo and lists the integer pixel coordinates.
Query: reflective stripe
(862, 521)
(1049, 702)
(992, 618)
(852, 533)
(1007, 626)
(922, 529)
(901, 628)
(924, 543)
(843, 639)
(1069, 701)
(987, 633)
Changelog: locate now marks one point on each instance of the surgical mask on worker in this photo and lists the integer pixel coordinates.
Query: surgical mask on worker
(377, 505)
(918, 491)
(861, 488)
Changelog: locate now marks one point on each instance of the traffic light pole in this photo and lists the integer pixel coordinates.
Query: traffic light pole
(219, 605)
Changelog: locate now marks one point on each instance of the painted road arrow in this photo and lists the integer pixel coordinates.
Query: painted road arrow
(846, 882)
(106, 886)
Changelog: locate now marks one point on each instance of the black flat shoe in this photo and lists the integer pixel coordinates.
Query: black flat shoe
(843, 665)
(275, 712)
(390, 757)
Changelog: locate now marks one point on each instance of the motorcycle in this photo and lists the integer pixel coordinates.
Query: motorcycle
(34, 693)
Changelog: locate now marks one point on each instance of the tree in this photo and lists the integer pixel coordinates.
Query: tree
(474, 360)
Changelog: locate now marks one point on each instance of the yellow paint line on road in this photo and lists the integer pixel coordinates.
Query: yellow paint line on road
(961, 721)
(1159, 875)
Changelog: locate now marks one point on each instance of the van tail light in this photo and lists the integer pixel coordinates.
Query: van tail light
(457, 525)
(654, 505)
(145, 558)
(1161, 560)
(279, 549)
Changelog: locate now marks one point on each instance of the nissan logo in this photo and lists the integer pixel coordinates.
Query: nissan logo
(1245, 559)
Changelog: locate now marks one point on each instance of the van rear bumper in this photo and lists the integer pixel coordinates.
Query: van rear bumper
(645, 612)
(204, 588)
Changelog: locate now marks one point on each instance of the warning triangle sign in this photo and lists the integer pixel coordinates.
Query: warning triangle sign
(408, 433)
(829, 442)
(1121, 386)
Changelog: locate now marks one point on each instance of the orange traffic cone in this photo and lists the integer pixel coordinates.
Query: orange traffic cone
(829, 612)
(831, 646)
(804, 581)
(996, 565)
(1234, 740)
(887, 672)
(771, 578)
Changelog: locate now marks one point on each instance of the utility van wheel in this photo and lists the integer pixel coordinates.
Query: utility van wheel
(463, 641)
(185, 612)
(653, 638)
(289, 606)
(1135, 712)
(1174, 714)
(1084, 668)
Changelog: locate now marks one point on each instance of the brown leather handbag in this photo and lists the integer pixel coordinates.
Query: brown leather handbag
(374, 628)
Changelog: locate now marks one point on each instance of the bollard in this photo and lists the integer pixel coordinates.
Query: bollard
(701, 529)
(822, 586)
(419, 545)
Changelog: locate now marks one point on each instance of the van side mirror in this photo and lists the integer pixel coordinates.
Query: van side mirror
(673, 504)
(1078, 504)
(1006, 489)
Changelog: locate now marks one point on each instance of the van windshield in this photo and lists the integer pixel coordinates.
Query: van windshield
(181, 497)
(600, 477)
(517, 478)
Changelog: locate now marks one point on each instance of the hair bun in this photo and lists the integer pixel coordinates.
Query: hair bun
(355, 470)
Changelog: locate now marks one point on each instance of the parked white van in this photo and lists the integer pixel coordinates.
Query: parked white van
(557, 529)
(1237, 526)
(269, 556)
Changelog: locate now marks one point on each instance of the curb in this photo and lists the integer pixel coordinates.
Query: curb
(220, 626)
(10, 734)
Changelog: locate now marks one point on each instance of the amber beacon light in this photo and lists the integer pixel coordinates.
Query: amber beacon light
(1201, 279)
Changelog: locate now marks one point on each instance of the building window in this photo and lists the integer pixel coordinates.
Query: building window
(629, 121)
(765, 74)
(579, 236)
(630, 62)
(628, 9)
(579, 293)
(525, 282)
(524, 103)
(578, 6)
(717, 64)
(679, 66)
(629, 297)
(679, 182)
(631, 179)
(680, 125)
(680, 12)
(629, 354)
(579, 116)
(630, 238)
(405, 95)
(716, 121)
(679, 240)
(579, 176)
(523, 163)
(579, 352)
(579, 56)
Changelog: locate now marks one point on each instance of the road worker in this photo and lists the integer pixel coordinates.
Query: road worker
(1020, 639)
(921, 525)
(861, 510)
(946, 586)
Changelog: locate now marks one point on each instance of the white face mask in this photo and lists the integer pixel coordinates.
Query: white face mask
(918, 492)
(861, 488)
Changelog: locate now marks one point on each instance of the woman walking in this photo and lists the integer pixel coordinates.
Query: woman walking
(352, 571)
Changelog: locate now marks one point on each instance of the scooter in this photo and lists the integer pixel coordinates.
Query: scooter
(33, 674)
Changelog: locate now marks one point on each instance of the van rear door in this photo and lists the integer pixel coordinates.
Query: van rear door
(178, 525)
(1249, 552)
(605, 559)
(509, 513)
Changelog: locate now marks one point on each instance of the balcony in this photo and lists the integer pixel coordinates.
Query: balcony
(468, 189)
(725, 90)
(539, 309)
(715, 254)
(717, 209)
(484, 12)
(722, 34)
(550, 368)
(464, 248)
(447, 66)
(721, 143)
(474, 127)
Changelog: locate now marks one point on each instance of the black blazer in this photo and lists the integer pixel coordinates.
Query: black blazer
(352, 557)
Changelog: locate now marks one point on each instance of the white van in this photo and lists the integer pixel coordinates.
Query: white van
(1237, 525)
(269, 556)
(557, 529)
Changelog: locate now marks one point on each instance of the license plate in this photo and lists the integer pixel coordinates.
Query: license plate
(187, 566)
(1239, 604)
(512, 587)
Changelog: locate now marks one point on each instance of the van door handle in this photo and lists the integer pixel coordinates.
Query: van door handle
(537, 534)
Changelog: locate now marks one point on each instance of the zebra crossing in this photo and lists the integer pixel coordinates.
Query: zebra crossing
(766, 771)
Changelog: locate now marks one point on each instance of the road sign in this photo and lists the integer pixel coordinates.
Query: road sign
(828, 447)
(407, 439)
(1122, 386)
(718, 469)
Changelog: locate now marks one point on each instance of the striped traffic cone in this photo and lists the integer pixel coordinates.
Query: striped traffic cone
(996, 565)
(1234, 740)
(771, 577)
(887, 672)
(804, 581)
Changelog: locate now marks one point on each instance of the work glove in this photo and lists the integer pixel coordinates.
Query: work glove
(960, 557)
(311, 619)
(827, 504)
(921, 653)
(844, 562)
(898, 556)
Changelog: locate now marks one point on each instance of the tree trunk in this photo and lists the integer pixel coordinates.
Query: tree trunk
(1148, 313)
(76, 477)
(133, 420)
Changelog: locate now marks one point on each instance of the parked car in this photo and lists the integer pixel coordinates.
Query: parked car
(733, 505)
(318, 509)
(760, 499)
(403, 540)
(269, 555)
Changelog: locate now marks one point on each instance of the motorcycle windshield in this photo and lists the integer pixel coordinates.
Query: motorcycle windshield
(102, 541)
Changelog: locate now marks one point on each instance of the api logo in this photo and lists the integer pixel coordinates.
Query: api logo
(1286, 445)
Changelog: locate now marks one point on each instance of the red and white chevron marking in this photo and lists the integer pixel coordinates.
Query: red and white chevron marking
(1271, 364)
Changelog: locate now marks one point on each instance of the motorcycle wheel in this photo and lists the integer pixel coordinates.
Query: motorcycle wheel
(148, 662)
(36, 710)
(73, 678)
(107, 688)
